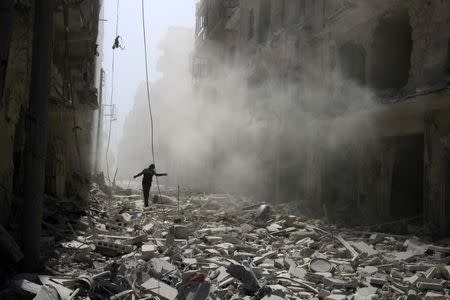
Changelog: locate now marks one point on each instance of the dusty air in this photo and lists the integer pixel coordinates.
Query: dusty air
(225, 149)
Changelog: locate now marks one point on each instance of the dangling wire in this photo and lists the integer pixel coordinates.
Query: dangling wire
(112, 90)
(148, 94)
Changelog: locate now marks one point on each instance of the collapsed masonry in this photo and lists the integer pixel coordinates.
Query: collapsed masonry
(354, 101)
(222, 247)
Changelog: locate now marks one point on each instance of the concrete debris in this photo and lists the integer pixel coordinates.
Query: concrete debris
(47, 292)
(221, 247)
(194, 286)
(160, 289)
(179, 232)
(362, 247)
(263, 212)
(246, 276)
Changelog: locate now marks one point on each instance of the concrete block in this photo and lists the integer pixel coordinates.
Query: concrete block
(160, 289)
(148, 227)
(335, 297)
(364, 248)
(377, 281)
(47, 292)
(108, 248)
(435, 286)
(161, 266)
(180, 232)
(434, 296)
(148, 251)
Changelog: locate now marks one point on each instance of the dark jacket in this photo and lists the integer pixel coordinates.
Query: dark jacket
(148, 176)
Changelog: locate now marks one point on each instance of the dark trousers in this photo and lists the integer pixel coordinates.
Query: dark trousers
(146, 189)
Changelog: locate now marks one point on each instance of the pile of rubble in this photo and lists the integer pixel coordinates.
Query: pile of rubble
(222, 247)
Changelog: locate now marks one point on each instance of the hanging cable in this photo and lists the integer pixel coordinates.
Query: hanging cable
(148, 94)
(112, 90)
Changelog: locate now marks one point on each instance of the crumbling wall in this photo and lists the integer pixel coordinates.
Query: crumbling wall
(12, 109)
(322, 87)
(436, 167)
(431, 33)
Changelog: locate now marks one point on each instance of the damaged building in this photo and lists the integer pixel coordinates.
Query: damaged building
(377, 71)
(44, 43)
(298, 139)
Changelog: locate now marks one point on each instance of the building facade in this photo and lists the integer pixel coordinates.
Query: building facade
(72, 102)
(361, 96)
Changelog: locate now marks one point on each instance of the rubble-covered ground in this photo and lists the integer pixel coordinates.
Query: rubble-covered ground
(222, 247)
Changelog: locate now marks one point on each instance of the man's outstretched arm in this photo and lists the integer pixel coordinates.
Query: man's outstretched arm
(140, 174)
(160, 174)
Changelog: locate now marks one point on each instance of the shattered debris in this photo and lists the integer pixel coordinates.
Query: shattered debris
(221, 247)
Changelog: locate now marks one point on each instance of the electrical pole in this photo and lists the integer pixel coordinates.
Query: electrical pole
(36, 133)
(99, 122)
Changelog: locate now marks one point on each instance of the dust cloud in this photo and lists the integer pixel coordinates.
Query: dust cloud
(242, 130)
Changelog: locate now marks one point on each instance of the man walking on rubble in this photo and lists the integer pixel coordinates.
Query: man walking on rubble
(147, 181)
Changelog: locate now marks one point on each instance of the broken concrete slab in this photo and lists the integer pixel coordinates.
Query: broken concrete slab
(162, 266)
(47, 292)
(435, 296)
(160, 289)
(63, 292)
(335, 297)
(362, 247)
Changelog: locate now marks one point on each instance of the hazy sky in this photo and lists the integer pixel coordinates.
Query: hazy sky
(129, 63)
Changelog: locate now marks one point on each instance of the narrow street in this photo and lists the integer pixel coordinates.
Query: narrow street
(224, 149)
(226, 247)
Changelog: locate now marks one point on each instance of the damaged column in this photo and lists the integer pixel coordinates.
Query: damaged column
(437, 174)
(36, 132)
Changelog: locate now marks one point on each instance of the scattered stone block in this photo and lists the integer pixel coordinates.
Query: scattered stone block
(335, 297)
(180, 232)
(434, 296)
(377, 281)
(160, 289)
(148, 227)
(161, 266)
(148, 251)
(364, 248)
